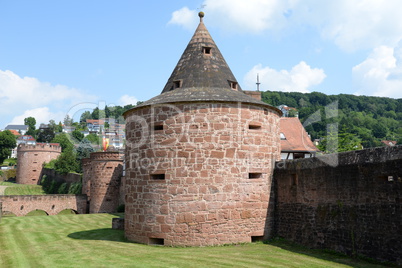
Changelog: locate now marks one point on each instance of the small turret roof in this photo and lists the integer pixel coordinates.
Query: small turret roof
(202, 74)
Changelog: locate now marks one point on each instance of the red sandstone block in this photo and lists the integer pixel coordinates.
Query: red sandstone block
(166, 228)
(246, 214)
(230, 152)
(164, 209)
(217, 154)
(212, 217)
(160, 219)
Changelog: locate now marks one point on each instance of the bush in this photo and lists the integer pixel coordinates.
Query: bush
(63, 189)
(10, 174)
(75, 188)
(50, 165)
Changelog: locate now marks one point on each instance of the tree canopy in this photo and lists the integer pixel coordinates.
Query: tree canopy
(7, 142)
(368, 119)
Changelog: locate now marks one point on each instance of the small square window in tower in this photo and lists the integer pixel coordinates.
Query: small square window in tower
(207, 50)
(177, 84)
(233, 85)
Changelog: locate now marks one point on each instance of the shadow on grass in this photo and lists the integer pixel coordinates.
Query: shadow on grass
(107, 234)
(328, 255)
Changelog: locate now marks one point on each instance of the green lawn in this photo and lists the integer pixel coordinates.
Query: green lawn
(22, 189)
(88, 241)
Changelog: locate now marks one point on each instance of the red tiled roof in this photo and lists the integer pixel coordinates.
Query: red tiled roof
(15, 132)
(26, 138)
(389, 143)
(297, 139)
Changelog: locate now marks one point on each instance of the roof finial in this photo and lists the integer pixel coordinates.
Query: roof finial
(258, 82)
(201, 15)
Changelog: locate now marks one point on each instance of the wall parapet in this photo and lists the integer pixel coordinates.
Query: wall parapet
(20, 205)
(365, 156)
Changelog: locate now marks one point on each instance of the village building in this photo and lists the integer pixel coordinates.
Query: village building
(295, 141)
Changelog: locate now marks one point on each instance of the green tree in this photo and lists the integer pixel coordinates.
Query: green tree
(340, 142)
(85, 115)
(77, 135)
(66, 162)
(83, 151)
(7, 142)
(46, 135)
(64, 142)
(95, 113)
(93, 138)
(59, 128)
(68, 121)
(31, 123)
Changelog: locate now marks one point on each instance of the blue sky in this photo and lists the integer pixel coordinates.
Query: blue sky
(61, 57)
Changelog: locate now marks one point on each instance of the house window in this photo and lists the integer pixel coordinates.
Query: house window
(157, 176)
(282, 136)
(255, 175)
(206, 50)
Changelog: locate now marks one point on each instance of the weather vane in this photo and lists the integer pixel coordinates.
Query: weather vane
(202, 6)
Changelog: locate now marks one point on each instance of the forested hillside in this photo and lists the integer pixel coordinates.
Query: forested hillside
(367, 120)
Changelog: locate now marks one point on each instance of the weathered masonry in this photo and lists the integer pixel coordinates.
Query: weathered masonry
(200, 156)
(31, 159)
(354, 207)
(20, 205)
(102, 181)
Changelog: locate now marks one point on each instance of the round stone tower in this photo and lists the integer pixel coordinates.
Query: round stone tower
(106, 169)
(200, 156)
(31, 158)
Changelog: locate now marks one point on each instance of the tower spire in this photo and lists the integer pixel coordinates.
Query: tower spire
(201, 65)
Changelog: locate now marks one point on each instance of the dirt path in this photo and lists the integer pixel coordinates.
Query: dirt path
(2, 189)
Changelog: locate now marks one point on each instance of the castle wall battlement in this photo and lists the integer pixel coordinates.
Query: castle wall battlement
(40, 147)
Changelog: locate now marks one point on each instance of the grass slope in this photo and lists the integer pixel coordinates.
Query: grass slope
(89, 241)
(22, 189)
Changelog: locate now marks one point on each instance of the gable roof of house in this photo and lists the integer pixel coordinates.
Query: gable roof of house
(296, 137)
(17, 127)
(15, 132)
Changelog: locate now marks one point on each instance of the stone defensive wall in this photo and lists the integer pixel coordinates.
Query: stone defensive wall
(20, 205)
(31, 159)
(348, 202)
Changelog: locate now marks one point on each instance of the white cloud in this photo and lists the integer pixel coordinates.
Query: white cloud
(184, 17)
(21, 95)
(126, 99)
(352, 25)
(237, 15)
(381, 73)
(42, 115)
(300, 78)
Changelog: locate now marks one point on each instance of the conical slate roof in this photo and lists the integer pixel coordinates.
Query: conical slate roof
(201, 65)
(202, 74)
